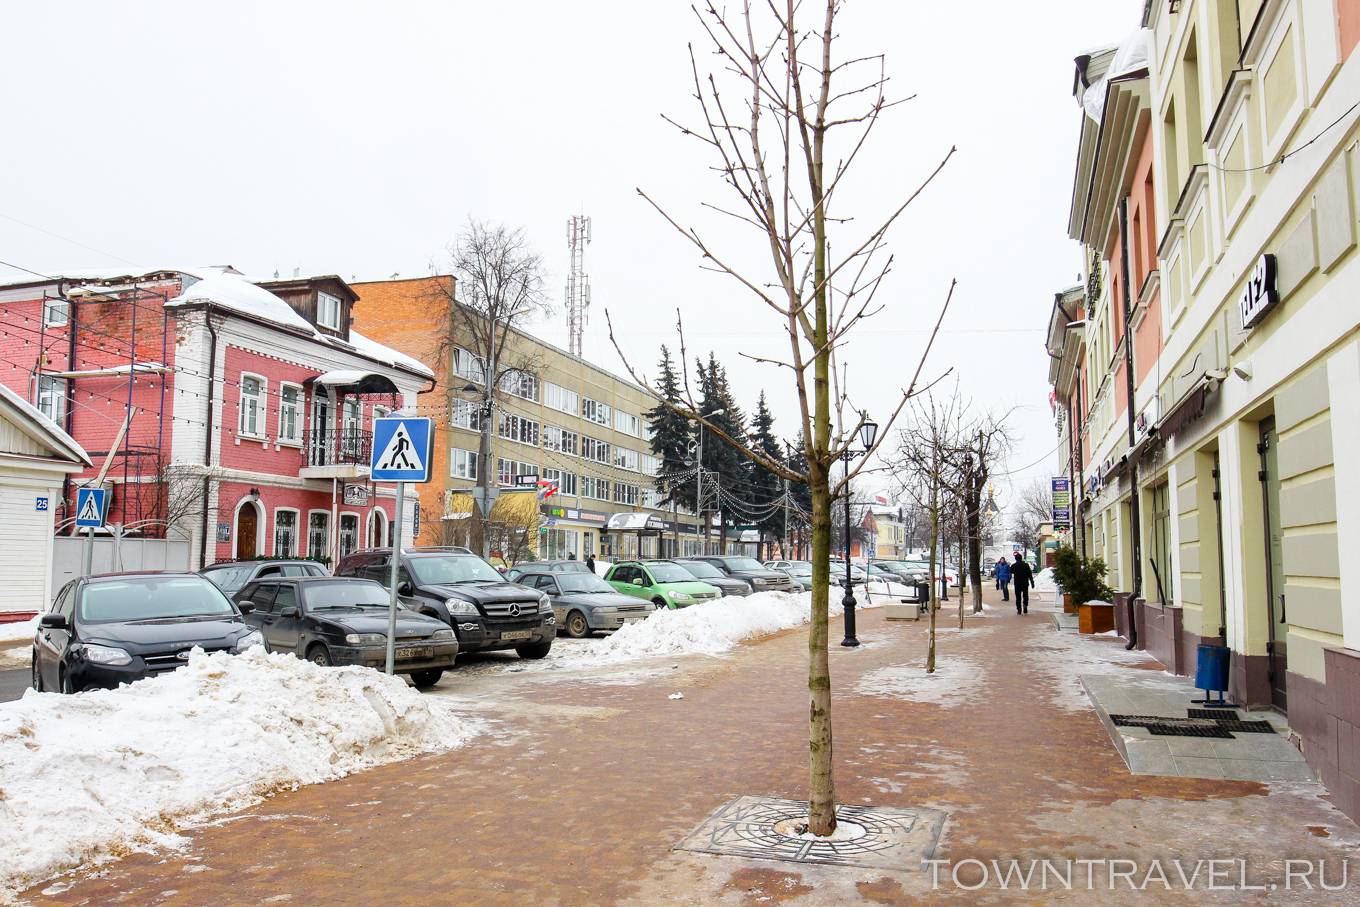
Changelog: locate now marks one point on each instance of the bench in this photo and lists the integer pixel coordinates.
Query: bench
(1095, 617)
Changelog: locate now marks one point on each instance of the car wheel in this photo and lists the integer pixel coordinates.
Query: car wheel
(67, 686)
(535, 651)
(426, 679)
(320, 655)
(577, 626)
(660, 603)
(37, 674)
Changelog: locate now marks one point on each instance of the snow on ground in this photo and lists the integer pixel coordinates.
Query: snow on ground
(89, 776)
(21, 632)
(956, 680)
(1062, 657)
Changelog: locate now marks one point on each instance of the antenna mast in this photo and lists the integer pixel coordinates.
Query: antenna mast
(578, 284)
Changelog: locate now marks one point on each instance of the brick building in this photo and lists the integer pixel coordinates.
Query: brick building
(237, 415)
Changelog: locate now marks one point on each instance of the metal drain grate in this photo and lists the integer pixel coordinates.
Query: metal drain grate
(1213, 714)
(1162, 729)
(1248, 727)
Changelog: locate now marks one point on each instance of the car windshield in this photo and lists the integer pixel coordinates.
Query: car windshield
(799, 569)
(152, 598)
(670, 573)
(742, 563)
(701, 569)
(230, 579)
(361, 594)
(582, 582)
(449, 569)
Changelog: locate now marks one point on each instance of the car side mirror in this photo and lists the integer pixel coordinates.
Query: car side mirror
(246, 607)
(289, 612)
(54, 622)
(405, 589)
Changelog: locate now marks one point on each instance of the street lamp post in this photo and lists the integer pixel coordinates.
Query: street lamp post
(699, 524)
(868, 431)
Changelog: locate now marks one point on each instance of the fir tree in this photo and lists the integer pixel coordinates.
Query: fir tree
(672, 434)
(764, 486)
(725, 464)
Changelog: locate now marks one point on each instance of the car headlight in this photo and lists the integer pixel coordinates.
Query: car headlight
(681, 596)
(106, 655)
(249, 641)
(460, 607)
(442, 634)
(365, 639)
(544, 603)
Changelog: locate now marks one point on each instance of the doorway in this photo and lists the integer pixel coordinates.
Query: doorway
(319, 443)
(247, 531)
(1277, 646)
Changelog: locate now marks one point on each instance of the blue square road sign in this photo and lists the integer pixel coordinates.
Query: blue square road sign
(90, 507)
(401, 449)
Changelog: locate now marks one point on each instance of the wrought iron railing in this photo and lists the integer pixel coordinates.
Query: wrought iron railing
(337, 447)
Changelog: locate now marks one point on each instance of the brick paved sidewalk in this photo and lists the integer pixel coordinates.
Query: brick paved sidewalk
(583, 785)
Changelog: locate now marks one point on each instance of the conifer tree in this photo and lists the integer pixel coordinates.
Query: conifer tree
(672, 435)
(764, 487)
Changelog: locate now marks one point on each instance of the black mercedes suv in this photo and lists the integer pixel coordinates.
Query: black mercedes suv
(465, 592)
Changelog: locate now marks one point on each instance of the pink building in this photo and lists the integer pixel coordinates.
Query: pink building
(233, 414)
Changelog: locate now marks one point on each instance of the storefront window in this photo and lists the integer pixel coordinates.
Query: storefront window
(560, 543)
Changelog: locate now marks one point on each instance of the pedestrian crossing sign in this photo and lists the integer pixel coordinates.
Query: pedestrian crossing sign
(90, 507)
(401, 449)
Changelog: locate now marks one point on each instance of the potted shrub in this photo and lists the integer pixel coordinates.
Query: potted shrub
(1081, 580)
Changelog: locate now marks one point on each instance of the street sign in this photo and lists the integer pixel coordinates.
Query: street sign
(40, 503)
(90, 507)
(401, 449)
(356, 495)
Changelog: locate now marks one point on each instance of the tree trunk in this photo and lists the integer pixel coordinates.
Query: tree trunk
(821, 783)
(975, 542)
(934, 591)
(961, 571)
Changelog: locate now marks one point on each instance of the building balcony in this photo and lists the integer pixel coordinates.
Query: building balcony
(336, 453)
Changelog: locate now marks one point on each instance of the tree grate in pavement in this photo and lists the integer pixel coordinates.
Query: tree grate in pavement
(759, 828)
(1218, 726)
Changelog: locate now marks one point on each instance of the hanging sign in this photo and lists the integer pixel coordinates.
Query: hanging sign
(1260, 294)
(356, 495)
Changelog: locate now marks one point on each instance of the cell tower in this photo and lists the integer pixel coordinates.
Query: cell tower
(578, 284)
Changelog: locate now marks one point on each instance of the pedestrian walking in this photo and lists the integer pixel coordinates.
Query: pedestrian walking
(1003, 578)
(590, 562)
(1024, 579)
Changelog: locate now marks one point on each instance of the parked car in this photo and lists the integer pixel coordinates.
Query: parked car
(857, 574)
(798, 571)
(706, 572)
(584, 603)
(882, 574)
(558, 566)
(343, 621)
(116, 628)
(910, 573)
(663, 583)
(486, 612)
(761, 578)
(231, 576)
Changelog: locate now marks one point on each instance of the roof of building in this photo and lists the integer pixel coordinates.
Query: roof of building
(44, 429)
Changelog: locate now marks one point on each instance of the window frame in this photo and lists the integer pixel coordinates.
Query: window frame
(470, 457)
(261, 402)
(326, 552)
(299, 407)
(322, 295)
(297, 522)
(52, 304)
(58, 400)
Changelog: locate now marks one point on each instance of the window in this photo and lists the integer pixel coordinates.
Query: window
(318, 534)
(625, 494)
(566, 481)
(462, 463)
(650, 464)
(467, 414)
(625, 458)
(650, 497)
(521, 384)
(56, 312)
(627, 423)
(328, 311)
(252, 406)
(594, 411)
(559, 398)
(556, 544)
(560, 439)
(466, 365)
(1160, 555)
(593, 449)
(290, 413)
(285, 533)
(518, 428)
(286, 597)
(349, 533)
(592, 487)
(509, 470)
(52, 398)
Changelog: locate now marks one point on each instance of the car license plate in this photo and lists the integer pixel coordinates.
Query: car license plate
(416, 652)
(633, 618)
(516, 634)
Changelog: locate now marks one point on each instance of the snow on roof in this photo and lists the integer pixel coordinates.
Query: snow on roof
(375, 350)
(233, 292)
(53, 433)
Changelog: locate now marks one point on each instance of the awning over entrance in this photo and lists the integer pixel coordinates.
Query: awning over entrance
(635, 522)
(357, 381)
(1190, 408)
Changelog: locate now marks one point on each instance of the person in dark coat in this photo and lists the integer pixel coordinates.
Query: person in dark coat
(1003, 578)
(590, 562)
(1024, 579)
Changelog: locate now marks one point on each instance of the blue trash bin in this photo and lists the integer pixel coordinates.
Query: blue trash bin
(1211, 670)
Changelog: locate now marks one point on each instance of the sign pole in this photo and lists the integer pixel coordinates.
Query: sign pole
(392, 577)
(87, 559)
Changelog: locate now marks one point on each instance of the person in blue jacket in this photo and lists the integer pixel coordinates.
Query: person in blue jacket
(1003, 578)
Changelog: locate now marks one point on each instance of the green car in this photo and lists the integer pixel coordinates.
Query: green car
(663, 583)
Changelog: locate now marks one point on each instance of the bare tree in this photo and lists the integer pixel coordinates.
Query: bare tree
(181, 496)
(926, 466)
(987, 444)
(1033, 506)
(499, 288)
(776, 104)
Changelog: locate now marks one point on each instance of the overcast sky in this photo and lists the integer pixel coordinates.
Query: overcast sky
(356, 138)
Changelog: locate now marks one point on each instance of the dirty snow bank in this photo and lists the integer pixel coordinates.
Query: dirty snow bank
(19, 631)
(99, 773)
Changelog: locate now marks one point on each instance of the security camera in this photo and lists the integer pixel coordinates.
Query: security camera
(1243, 370)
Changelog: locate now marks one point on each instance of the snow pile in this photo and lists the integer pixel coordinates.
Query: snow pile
(99, 773)
(20, 631)
(955, 680)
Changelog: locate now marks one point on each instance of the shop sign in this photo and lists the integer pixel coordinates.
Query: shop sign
(356, 495)
(1260, 294)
